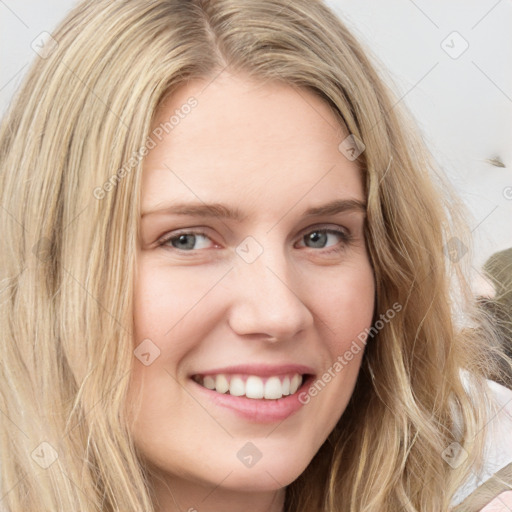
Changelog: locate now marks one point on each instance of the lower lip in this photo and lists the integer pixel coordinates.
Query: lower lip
(258, 410)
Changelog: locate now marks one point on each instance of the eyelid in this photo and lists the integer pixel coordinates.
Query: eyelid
(326, 227)
(164, 239)
(344, 233)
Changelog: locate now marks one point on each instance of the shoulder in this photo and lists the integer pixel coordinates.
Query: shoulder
(486, 485)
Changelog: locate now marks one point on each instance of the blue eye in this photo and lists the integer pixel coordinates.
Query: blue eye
(188, 241)
(322, 238)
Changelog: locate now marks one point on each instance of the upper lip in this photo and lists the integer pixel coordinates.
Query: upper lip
(260, 370)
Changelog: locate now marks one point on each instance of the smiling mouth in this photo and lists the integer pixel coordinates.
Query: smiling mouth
(252, 386)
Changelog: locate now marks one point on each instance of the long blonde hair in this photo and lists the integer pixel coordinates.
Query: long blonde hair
(71, 159)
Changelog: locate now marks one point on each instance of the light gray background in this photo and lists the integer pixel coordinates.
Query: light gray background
(463, 103)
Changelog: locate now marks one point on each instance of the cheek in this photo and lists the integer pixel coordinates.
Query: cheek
(345, 308)
(159, 340)
(164, 297)
(345, 302)
(156, 302)
(166, 305)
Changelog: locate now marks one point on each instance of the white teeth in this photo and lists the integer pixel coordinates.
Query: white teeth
(236, 386)
(221, 384)
(295, 383)
(286, 385)
(273, 388)
(209, 382)
(252, 386)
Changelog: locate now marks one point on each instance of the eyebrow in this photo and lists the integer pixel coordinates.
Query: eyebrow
(224, 212)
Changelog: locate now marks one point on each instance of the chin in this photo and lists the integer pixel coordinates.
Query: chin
(270, 475)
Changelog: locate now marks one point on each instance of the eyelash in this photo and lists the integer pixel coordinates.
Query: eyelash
(345, 237)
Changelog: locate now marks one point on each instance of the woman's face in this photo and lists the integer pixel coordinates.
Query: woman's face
(252, 274)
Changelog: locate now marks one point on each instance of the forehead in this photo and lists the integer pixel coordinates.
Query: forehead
(245, 139)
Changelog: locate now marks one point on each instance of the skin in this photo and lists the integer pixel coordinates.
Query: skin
(270, 151)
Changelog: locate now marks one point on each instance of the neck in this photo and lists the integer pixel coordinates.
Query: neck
(180, 495)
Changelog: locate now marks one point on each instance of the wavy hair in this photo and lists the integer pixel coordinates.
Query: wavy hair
(71, 159)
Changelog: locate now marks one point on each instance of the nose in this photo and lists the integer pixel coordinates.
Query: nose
(266, 300)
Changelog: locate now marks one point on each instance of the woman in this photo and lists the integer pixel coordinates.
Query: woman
(225, 284)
